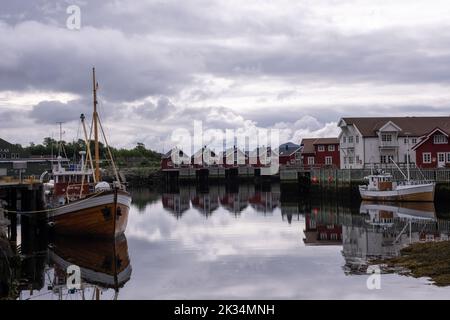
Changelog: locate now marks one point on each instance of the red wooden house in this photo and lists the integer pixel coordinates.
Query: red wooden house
(433, 150)
(289, 154)
(233, 157)
(320, 152)
(175, 158)
(204, 158)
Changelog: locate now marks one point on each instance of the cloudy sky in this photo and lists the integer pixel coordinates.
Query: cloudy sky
(287, 64)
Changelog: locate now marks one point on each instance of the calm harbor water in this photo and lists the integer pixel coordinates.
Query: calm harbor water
(244, 242)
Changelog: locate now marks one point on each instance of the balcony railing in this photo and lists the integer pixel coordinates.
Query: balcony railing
(388, 144)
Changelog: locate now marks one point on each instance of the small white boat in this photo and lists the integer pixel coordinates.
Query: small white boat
(381, 187)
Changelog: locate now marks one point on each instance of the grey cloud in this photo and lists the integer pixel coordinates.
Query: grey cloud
(50, 112)
(158, 51)
(178, 41)
(159, 111)
(41, 57)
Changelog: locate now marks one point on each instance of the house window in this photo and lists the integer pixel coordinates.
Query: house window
(321, 148)
(328, 160)
(350, 139)
(386, 137)
(331, 147)
(441, 157)
(405, 141)
(386, 158)
(357, 159)
(357, 139)
(345, 160)
(310, 160)
(426, 157)
(407, 158)
(345, 139)
(440, 139)
(298, 155)
(414, 140)
(448, 157)
(350, 160)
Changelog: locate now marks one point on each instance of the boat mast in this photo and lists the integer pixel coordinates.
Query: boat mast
(95, 120)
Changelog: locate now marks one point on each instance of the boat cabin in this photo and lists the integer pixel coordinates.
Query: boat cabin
(70, 180)
(380, 182)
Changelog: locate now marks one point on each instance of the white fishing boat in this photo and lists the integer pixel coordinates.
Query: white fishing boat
(382, 187)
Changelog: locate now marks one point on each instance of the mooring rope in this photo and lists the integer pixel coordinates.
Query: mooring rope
(51, 209)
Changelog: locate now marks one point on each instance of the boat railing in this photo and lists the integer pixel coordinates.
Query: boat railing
(413, 182)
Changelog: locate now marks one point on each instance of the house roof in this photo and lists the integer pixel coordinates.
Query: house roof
(169, 153)
(287, 149)
(257, 151)
(428, 136)
(200, 151)
(309, 143)
(232, 150)
(412, 126)
(4, 142)
(326, 141)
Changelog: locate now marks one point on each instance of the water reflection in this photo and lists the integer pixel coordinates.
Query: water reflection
(235, 241)
(367, 231)
(37, 267)
(102, 262)
(381, 230)
(234, 199)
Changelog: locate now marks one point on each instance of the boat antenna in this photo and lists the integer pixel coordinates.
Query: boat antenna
(95, 121)
(403, 174)
(407, 158)
(60, 138)
(51, 144)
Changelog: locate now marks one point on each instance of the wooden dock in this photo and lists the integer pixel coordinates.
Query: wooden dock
(324, 177)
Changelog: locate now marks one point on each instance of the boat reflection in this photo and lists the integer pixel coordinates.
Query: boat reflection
(37, 269)
(381, 230)
(105, 264)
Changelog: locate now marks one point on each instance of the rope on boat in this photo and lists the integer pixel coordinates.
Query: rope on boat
(51, 209)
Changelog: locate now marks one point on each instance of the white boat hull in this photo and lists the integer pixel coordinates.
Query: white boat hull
(419, 192)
